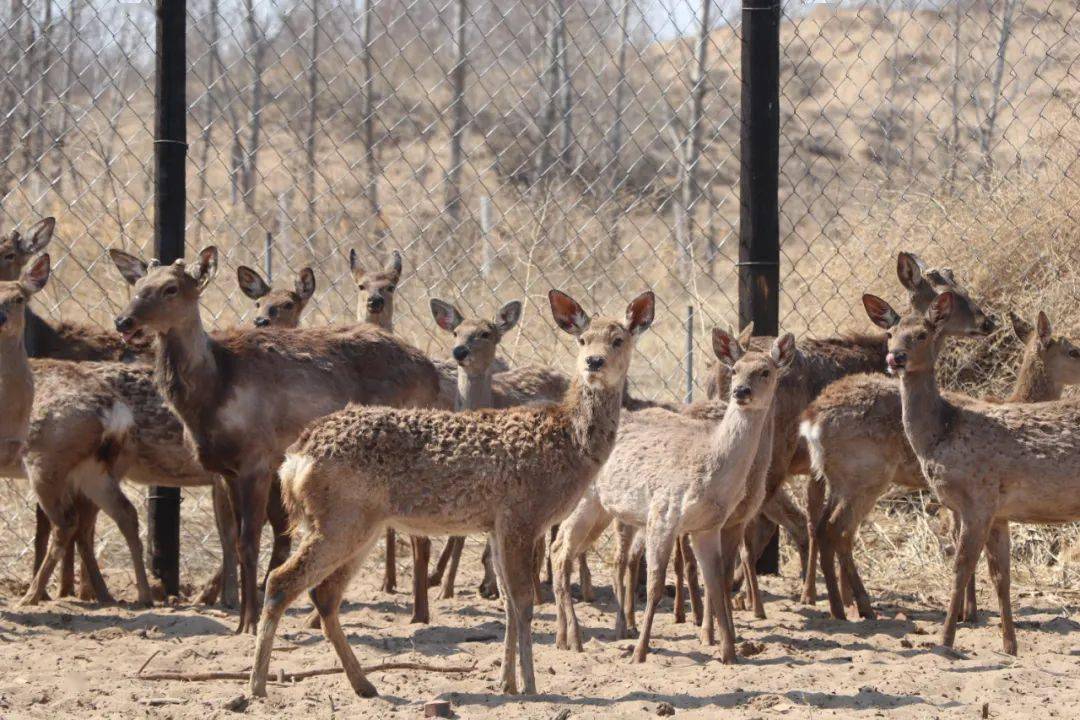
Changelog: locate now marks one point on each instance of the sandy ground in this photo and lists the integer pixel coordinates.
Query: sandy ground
(66, 658)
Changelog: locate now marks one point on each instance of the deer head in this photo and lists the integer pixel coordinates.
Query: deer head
(604, 345)
(15, 294)
(16, 250)
(166, 296)
(276, 308)
(753, 375)
(375, 302)
(475, 341)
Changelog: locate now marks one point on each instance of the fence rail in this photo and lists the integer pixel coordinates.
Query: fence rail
(508, 147)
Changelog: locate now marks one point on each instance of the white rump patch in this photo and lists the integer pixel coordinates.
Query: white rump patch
(118, 420)
(811, 433)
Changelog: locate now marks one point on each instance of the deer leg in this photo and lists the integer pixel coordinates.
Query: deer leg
(390, 572)
(327, 600)
(61, 535)
(680, 600)
(42, 531)
(223, 584)
(92, 585)
(539, 556)
(752, 589)
(827, 539)
(104, 490)
(250, 492)
(456, 545)
(436, 576)
(60, 515)
(498, 561)
(67, 570)
(692, 585)
(973, 534)
(708, 547)
(489, 586)
(619, 584)
(585, 579)
(421, 555)
(583, 525)
(279, 521)
(317, 557)
(815, 505)
(997, 562)
(850, 574)
(660, 539)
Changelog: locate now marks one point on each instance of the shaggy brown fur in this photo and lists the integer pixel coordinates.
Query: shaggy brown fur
(512, 473)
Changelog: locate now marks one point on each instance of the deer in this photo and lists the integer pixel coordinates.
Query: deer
(276, 308)
(878, 398)
(989, 463)
(217, 385)
(62, 429)
(857, 442)
(511, 473)
(671, 475)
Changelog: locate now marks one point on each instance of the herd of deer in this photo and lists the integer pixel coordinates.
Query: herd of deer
(363, 434)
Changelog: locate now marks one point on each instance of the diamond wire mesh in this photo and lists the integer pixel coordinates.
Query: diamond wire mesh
(506, 148)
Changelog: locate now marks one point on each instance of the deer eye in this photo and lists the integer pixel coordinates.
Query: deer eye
(10, 257)
(391, 288)
(18, 301)
(1074, 353)
(581, 342)
(484, 335)
(921, 336)
(617, 342)
(287, 306)
(765, 373)
(170, 290)
(362, 286)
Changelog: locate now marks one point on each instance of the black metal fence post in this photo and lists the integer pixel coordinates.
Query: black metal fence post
(759, 179)
(170, 157)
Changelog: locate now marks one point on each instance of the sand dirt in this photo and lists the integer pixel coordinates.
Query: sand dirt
(67, 658)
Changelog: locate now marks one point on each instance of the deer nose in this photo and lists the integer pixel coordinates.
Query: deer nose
(460, 353)
(896, 360)
(262, 322)
(742, 392)
(125, 323)
(375, 304)
(594, 363)
(988, 325)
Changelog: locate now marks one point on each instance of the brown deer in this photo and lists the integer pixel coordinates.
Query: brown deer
(989, 463)
(511, 473)
(217, 385)
(692, 478)
(923, 285)
(276, 308)
(62, 429)
(376, 289)
(858, 446)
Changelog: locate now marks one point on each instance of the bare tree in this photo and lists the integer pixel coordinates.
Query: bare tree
(11, 91)
(991, 106)
(44, 65)
(566, 152)
(369, 121)
(459, 112)
(615, 136)
(256, 39)
(691, 191)
(553, 78)
(954, 143)
(67, 119)
(313, 117)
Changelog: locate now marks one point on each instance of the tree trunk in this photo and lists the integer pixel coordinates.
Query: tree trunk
(615, 172)
(545, 159)
(459, 113)
(257, 45)
(313, 117)
(691, 191)
(1008, 9)
(369, 126)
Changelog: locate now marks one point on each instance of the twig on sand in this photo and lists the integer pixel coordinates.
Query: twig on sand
(284, 677)
(143, 666)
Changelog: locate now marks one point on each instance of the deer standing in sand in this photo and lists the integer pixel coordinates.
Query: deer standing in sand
(511, 473)
(876, 396)
(857, 442)
(672, 475)
(220, 385)
(989, 463)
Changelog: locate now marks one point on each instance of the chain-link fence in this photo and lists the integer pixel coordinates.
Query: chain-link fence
(591, 145)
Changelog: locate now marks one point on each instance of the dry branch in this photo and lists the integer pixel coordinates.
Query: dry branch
(284, 677)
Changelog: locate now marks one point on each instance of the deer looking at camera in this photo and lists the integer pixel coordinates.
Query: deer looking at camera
(989, 463)
(511, 473)
(277, 307)
(244, 395)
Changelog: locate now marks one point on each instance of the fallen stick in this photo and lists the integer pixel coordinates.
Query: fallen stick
(281, 677)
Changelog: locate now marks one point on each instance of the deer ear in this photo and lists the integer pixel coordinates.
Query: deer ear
(783, 350)
(745, 335)
(727, 348)
(1021, 327)
(251, 282)
(35, 276)
(394, 266)
(568, 313)
(206, 267)
(354, 265)
(880, 312)
(305, 284)
(131, 268)
(39, 237)
(1046, 333)
(909, 270)
(508, 316)
(941, 309)
(446, 315)
(640, 312)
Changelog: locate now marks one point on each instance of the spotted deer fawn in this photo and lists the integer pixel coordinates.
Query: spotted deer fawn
(671, 475)
(217, 385)
(857, 446)
(511, 473)
(989, 463)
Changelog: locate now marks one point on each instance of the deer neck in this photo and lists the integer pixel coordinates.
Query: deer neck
(473, 391)
(923, 410)
(187, 371)
(1034, 382)
(16, 389)
(594, 418)
(735, 439)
